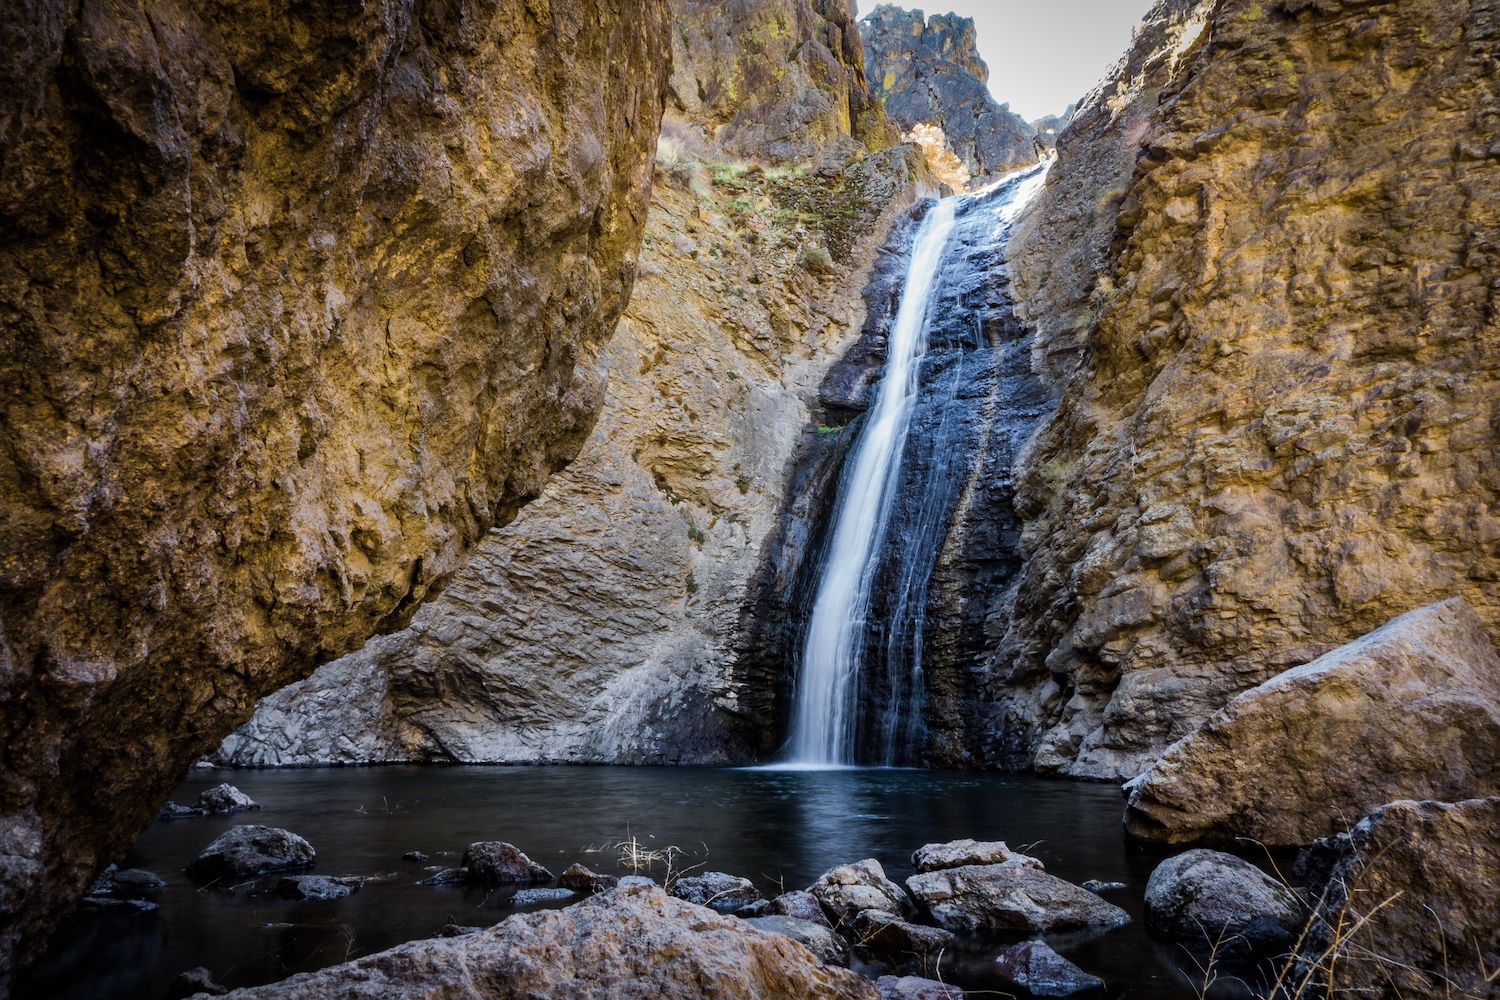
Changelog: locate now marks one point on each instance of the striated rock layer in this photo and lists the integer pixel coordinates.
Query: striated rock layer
(298, 302)
(1264, 273)
(934, 85)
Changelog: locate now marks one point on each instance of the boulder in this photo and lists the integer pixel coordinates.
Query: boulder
(252, 850)
(531, 897)
(192, 983)
(1411, 710)
(718, 891)
(1436, 868)
(1214, 899)
(1009, 895)
(630, 943)
(916, 988)
(223, 799)
(818, 938)
(888, 932)
(800, 904)
(317, 886)
(580, 879)
(959, 853)
(1042, 972)
(848, 889)
(494, 862)
(114, 879)
(171, 810)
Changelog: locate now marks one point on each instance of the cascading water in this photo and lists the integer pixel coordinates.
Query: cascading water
(889, 475)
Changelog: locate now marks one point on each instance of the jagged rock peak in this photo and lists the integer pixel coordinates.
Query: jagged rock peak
(933, 82)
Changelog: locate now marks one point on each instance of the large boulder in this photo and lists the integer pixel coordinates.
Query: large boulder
(847, 890)
(958, 853)
(252, 850)
(1220, 901)
(299, 301)
(1420, 884)
(631, 943)
(1411, 710)
(1009, 895)
(494, 862)
(1042, 972)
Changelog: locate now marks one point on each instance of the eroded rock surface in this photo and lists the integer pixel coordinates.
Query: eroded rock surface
(298, 303)
(1264, 272)
(933, 82)
(633, 943)
(1411, 710)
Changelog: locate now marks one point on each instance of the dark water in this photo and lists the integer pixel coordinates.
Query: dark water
(777, 828)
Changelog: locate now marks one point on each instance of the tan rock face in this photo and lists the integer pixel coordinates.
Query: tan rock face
(1411, 710)
(602, 624)
(1283, 427)
(634, 943)
(299, 302)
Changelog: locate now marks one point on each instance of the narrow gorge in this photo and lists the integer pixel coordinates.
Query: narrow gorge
(743, 388)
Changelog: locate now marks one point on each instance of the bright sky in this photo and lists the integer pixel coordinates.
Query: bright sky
(1043, 54)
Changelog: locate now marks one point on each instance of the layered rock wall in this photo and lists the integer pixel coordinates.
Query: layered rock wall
(1264, 277)
(299, 301)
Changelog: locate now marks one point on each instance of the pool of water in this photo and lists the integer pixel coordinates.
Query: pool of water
(779, 828)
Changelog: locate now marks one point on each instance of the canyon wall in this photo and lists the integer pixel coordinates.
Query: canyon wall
(929, 76)
(1263, 275)
(299, 302)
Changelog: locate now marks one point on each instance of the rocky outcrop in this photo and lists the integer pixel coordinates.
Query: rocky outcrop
(1223, 904)
(934, 85)
(298, 303)
(604, 623)
(1264, 274)
(634, 943)
(1410, 902)
(1410, 710)
(780, 81)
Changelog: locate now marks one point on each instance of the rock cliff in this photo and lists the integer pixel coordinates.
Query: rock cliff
(933, 83)
(604, 624)
(299, 301)
(1264, 276)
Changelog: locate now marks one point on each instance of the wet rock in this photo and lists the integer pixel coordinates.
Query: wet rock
(172, 810)
(818, 938)
(1039, 970)
(845, 891)
(888, 932)
(531, 897)
(115, 879)
(1009, 896)
(448, 876)
(413, 856)
(1438, 865)
(581, 879)
(1209, 898)
(317, 886)
(1411, 710)
(721, 892)
(958, 853)
(494, 862)
(630, 943)
(110, 904)
(1094, 885)
(916, 988)
(193, 982)
(759, 908)
(252, 850)
(801, 905)
(223, 799)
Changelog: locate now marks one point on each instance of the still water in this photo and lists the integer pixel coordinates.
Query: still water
(779, 828)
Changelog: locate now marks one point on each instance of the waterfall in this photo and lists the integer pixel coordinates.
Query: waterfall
(839, 630)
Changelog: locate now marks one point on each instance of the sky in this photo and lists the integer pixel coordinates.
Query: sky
(1043, 54)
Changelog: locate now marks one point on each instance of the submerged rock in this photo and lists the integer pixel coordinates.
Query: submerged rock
(886, 931)
(1411, 710)
(1435, 867)
(317, 886)
(916, 988)
(630, 943)
(494, 862)
(816, 937)
(222, 799)
(1042, 972)
(845, 891)
(581, 879)
(801, 905)
(1215, 899)
(193, 982)
(958, 853)
(252, 850)
(1009, 895)
(718, 891)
